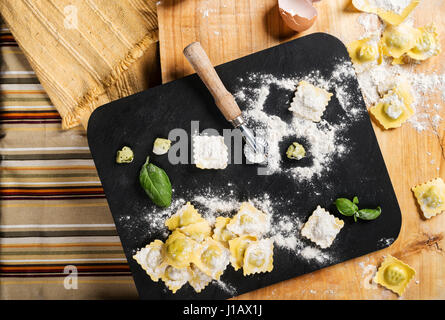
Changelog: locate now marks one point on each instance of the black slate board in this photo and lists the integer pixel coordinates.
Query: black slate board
(137, 120)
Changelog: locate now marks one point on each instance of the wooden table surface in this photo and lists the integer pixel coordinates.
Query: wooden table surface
(230, 29)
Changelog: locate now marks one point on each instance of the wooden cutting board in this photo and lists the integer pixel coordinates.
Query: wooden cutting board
(229, 29)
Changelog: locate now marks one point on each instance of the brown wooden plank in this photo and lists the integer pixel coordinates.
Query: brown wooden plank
(229, 29)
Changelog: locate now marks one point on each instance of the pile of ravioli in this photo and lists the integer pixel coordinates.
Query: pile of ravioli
(399, 41)
(403, 44)
(197, 252)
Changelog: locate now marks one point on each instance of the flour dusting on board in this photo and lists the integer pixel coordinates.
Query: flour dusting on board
(285, 227)
(326, 141)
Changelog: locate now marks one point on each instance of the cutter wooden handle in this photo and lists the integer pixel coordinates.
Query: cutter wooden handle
(224, 100)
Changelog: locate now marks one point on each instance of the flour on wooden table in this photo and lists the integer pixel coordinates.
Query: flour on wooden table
(396, 6)
(375, 80)
(370, 23)
(368, 274)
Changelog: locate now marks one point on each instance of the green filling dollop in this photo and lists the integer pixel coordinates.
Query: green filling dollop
(296, 151)
(125, 155)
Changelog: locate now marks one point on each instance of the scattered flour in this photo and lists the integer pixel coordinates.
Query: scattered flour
(396, 6)
(368, 273)
(312, 253)
(329, 291)
(376, 80)
(226, 287)
(385, 242)
(205, 12)
(370, 23)
(325, 141)
(285, 229)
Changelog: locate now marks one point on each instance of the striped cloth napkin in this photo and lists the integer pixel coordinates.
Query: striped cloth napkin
(57, 236)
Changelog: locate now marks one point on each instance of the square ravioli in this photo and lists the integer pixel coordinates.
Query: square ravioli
(394, 275)
(322, 228)
(237, 249)
(151, 259)
(398, 40)
(393, 15)
(310, 101)
(197, 231)
(198, 279)
(212, 258)
(220, 231)
(394, 108)
(180, 250)
(175, 278)
(185, 216)
(249, 220)
(210, 152)
(427, 44)
(431, 197)
(367, 50)
(258, 257)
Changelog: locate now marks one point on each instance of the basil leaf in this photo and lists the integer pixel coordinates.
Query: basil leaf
(369, 214)
(345, 206)
(156, 184)
(355, 200)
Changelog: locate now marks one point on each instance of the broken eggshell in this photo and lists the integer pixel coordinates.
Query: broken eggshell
(299, 15)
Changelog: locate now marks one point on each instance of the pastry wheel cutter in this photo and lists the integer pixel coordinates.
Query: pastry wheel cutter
(256, 148)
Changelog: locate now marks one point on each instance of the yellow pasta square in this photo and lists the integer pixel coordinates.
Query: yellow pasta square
(237, 248)
(210, 152)
(175, 278)
(258, 257)
(249, 220)
(394, 108)
(394, 275)
(365, 51)
(431, 197)
(180, 250)
(197, 231)
(151, 259)
(198, 279)
(185, 216)
(390, 16)
(212, 258)
(322, 228)
(309, 101)
(220, 231)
